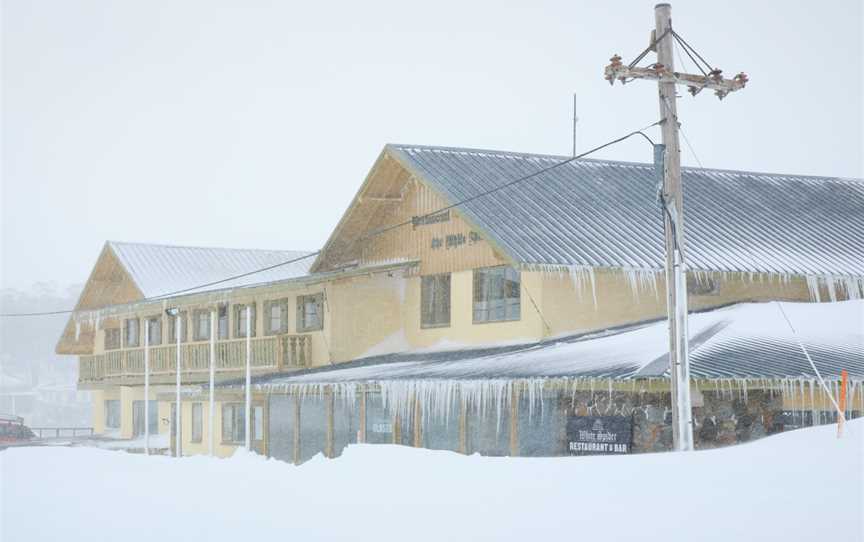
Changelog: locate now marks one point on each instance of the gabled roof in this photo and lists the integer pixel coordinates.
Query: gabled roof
(600, 213)
(132, 272)
(750, 340)
(159, 270)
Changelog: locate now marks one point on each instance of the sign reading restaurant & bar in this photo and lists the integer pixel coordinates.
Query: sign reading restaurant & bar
(599, 435)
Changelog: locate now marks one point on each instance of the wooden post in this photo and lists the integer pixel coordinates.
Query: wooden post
(361, 433)
(844, 378)
(673, 222)
(514, 421)
(329, 447)
(265, 425)
(418, 429)
(297, 429)
(463, 426)
(397, 429)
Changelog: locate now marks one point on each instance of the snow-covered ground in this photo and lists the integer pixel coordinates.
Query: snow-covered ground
(802, 485)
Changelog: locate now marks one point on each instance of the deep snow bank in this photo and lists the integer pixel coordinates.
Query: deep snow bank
(802, 485)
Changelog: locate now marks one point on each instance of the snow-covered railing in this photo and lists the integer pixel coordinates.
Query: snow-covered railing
(272, 353)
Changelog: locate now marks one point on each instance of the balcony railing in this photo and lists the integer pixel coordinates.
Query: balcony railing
(274, 353)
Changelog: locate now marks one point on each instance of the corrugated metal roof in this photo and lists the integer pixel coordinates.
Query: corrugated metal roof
(741, 341)
(600, 213)
(161, 269)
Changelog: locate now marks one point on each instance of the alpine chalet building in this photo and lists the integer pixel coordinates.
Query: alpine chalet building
(510, 322)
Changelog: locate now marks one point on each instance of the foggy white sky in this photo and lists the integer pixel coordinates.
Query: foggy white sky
(252, 124)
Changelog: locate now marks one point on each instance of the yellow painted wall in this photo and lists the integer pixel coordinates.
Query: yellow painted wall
(462, 329)
(220, 448)
(569, 306)
(97, 411)
(127, 395)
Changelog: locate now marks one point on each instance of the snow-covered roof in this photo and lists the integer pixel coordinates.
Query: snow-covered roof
(158, 270)
(750, 340)
(600, 213)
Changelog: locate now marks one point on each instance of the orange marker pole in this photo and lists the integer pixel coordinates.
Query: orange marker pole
(841, 417)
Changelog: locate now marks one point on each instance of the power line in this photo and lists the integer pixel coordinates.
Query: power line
(371, 235)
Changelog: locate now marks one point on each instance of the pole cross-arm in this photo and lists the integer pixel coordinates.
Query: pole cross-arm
(721, 86)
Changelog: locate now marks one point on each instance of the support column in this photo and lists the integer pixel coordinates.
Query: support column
(211, 421)
(361, 434)
(178, 433)
(329, 448)
(248, 418)
(297, 429)
(514, 421)
(418, 426)
(463, 426)
(146, 387)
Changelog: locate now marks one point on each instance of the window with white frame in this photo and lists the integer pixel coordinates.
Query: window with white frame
(112, 414)
(138, 417)
(222, 322)
(435, 300)
(276, 316)
(154, 330)
(112, 338)
(497, 294)
(310, 312)
(132, 335)
(234, 423)
(240, 320)
(201, 325)
(172, 327)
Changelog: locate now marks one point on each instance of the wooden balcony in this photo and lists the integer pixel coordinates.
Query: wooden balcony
(269, 354)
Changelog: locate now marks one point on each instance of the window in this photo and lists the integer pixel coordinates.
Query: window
(234, 422)
(222, 322)
(240, 320)
(197, 422)
(112, 338)
(701, 285)
(496, 294)
(276, 316)
(201, 325)
(172, 327)
(154, 329)
(138, 417)
(132, 335)
(435, 300)
(112, 414)
(310, 312)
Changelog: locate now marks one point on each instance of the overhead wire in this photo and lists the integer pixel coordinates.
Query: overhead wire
(374, 233)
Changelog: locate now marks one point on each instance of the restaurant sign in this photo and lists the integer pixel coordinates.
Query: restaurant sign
(599, 435)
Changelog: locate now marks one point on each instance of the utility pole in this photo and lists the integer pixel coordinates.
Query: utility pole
(671, 196)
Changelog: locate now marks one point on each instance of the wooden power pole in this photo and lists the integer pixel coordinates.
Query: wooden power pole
(671, 196)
